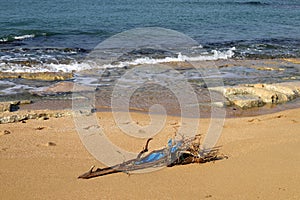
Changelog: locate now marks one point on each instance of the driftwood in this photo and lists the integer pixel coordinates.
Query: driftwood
(180, 153)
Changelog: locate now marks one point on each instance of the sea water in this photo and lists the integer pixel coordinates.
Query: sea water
(52, 36)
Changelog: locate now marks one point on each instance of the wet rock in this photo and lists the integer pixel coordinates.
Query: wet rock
(64, 87)
(47, 76)
(293, 60)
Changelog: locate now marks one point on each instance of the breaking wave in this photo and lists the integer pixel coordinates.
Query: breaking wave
(27, 35)
(80, 66)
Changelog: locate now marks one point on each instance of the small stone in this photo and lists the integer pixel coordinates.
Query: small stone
(50, 144)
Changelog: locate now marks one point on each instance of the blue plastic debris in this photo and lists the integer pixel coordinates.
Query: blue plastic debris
(155, 156)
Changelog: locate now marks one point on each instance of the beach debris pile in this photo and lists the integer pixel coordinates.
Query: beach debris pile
(181, 152)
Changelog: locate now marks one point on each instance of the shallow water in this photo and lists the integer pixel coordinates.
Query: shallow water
(167, 85)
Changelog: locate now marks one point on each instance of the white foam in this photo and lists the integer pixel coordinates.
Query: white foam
(4, 39)
(6, 83)
(75, 66)
(215, 55)
(68, 67)
(16, 89)
(22, 37)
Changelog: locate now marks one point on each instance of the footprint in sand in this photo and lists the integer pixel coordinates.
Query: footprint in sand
(40, 128)
(92, 127)
(48, 144)
(5, 132)
(175, 124)
(254, 120)
(279, 116)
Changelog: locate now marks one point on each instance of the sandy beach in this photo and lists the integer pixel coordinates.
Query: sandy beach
(41, 159)
(180, 71)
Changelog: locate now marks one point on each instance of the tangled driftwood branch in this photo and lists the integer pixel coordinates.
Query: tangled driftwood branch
(180, 152)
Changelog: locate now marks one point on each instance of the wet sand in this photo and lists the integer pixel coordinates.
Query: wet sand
(41, 159)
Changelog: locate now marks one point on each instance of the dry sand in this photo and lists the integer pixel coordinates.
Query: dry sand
(41, 159)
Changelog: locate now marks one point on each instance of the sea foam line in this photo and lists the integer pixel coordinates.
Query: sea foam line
(22, 37)
(75, 66)
(216, 55)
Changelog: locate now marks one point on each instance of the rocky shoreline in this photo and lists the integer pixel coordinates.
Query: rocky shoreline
(245, 97)
(8, 115)
(257, 95)
(243, 94)
(24, 116)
